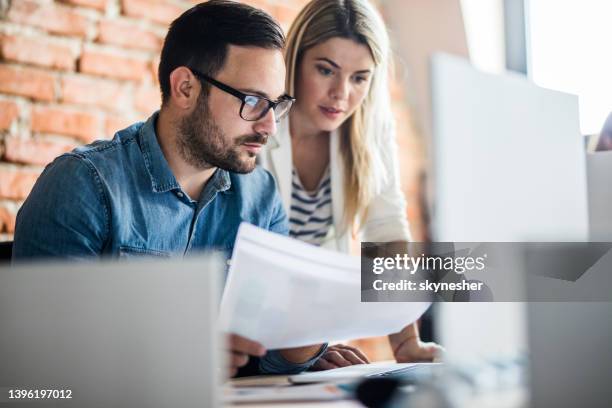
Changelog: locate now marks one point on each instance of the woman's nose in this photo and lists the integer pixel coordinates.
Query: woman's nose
(340, 89)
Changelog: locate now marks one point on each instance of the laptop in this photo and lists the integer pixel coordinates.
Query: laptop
(406, 372)
(108, 334)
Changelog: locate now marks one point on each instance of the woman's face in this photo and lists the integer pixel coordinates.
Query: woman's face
(332, 81)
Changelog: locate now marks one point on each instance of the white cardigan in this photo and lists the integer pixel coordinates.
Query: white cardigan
(386, 220)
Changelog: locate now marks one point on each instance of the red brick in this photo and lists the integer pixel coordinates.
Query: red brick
(9, 111)
(113, 124)
(84, 126)
(147, 99)
(36, 51)
(154, 70)
(110, 64)
(50, 17)
(96, 4)
(127, 35)
(34, 151)
(16, 184)
(7, 218)
(284, 14)
(27, 82)
(260, 4)
(159, 11)
(103, 93)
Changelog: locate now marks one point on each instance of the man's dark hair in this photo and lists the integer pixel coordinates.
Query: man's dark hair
(200, 37)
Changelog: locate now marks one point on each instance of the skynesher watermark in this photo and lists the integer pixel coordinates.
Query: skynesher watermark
(486, 272)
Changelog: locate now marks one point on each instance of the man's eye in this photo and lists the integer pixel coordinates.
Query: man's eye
(251, 100)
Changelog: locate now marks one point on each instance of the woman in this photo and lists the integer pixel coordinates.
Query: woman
(335, 156)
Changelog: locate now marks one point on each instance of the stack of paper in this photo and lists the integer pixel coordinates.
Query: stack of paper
(285, 293)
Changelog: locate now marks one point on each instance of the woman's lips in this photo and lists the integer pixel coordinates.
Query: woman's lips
(331, 113)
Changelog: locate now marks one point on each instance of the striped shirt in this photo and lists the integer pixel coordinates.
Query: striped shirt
(310, 216)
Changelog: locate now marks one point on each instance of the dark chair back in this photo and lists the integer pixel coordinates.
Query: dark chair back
(6, 251)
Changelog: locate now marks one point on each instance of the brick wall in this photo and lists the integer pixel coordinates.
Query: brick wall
(72, 71)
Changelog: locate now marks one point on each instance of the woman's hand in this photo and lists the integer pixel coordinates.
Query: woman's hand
(413, 350)
(340, 355)
(408, 348)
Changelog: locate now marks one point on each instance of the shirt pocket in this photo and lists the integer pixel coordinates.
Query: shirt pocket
(126, 252)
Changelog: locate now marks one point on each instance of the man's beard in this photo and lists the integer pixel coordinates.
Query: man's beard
(202, 144)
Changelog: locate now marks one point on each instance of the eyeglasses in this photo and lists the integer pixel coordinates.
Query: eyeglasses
(254, 107)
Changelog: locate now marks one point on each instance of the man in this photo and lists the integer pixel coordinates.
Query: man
(185, 179)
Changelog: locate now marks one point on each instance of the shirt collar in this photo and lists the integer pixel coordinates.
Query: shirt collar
(220, 180)
(162, 178)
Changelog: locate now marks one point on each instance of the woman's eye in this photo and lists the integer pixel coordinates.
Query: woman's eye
(324, 71)
(360, 79)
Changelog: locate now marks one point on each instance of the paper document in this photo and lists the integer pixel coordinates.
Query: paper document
(317, 392)
(285, 293)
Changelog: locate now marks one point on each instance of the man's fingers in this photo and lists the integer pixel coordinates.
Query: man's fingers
(239, 344)
(357, 352)
(238, 359)
(336, 358)
(351, 356)
(323, 364)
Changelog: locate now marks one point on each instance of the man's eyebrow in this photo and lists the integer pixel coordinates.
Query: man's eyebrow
(252, 91)
(330, 62)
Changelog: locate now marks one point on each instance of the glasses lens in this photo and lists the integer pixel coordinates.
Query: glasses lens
(254, 108)
(282, 109)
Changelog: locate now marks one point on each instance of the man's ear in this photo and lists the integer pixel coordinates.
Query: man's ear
(184, 88)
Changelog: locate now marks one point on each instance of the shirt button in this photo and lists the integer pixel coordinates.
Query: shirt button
(180, 194)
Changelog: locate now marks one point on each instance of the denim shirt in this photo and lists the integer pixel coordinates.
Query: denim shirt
(119, 198)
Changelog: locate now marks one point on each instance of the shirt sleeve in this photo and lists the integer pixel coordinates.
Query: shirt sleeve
(274, 363)
(66, 214)
(387, 218)
(279, 221)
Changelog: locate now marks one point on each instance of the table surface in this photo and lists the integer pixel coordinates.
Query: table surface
(515, 398)
(283, 381)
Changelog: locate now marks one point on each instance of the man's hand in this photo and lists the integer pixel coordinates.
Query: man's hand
(408, 348)
(340, 355)
(239, 350)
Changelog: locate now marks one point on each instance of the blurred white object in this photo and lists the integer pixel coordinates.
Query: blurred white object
(599, 165)
(284, 293)
(130, 334)
(508, 158)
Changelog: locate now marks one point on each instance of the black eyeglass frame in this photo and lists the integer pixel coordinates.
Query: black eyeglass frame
(242, 96)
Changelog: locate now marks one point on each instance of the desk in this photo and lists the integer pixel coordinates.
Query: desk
(282, 381)
(320, 404)
(514, 398)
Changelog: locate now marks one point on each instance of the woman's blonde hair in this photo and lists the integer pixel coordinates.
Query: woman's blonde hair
(360, 135)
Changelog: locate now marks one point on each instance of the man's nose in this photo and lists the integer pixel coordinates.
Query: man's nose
(266, 125)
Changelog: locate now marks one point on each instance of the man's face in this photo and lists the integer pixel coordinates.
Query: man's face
(214, 134)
